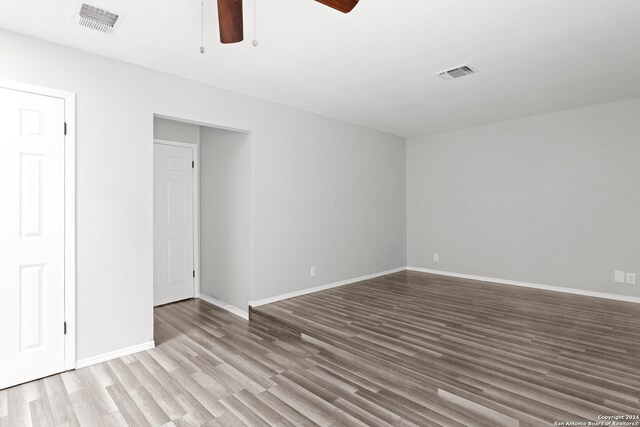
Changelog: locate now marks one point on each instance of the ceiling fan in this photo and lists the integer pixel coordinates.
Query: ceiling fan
(230, 17)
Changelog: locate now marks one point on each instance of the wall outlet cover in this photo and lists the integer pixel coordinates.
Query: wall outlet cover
(619, 277)
(436, 257)
(312, 271)
(631, 278)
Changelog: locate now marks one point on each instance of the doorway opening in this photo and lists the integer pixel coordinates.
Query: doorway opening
(202, 214)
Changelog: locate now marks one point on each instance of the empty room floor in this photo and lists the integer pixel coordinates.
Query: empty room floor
(404, 349)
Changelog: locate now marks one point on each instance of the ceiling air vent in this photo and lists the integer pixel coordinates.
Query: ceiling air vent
(454, 73)
(97, 19)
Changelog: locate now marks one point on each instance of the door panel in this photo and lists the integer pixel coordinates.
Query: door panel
(175, 202)
(31, 236)
(31, 194)
(173, 224)
(30, 305)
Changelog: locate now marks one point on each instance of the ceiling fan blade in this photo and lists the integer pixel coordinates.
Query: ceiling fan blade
(344, 6)
(230, 21)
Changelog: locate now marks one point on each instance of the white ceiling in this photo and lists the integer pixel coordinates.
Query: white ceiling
(375, 66)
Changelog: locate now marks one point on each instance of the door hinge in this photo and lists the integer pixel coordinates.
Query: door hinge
(65, 128)
(65, 328)
(193, 164)
(194, 274)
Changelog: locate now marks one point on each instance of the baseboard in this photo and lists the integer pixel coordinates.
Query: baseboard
(530, 285)
(114, 354)
(277, 298)
(223, 305)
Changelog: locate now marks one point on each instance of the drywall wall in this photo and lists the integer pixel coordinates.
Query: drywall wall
(324, 192)
(551, 199)
(172, 130)
(325, 197)
(225, 216)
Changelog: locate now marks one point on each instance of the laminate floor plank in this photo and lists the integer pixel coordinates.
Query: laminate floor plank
(61, 406)
(41, 414)
(126, 405)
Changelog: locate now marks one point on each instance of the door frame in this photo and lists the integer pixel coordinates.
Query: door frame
(196, 208)
(69, 99)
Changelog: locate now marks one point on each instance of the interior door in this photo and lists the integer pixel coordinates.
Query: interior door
(173, 224)
(31, 236)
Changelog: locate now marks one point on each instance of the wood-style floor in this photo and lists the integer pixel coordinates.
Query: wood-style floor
(403, 349)
(446, 351)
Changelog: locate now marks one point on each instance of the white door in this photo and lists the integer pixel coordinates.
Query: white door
(31, 236)
(173, 267)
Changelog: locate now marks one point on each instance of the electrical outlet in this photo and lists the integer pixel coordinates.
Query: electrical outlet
(312, 271)
(436, 257)
(618, 276)
(631, 278)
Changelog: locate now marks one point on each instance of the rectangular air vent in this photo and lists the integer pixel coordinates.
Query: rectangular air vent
(454, 73)
(96, 18)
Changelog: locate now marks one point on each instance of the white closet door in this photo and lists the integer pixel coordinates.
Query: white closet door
(31, 236)
(173, 224)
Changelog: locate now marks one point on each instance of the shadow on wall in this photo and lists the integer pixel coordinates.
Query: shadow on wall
(225, 215)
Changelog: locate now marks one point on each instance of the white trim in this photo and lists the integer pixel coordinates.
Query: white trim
(69, 99)
(196, 208)
(175, 143)
(196, 219)
(200, 123)
(70, 230)
(530, 285)
(114, 354)
(223, 305)
(277, 298)
(37, 90)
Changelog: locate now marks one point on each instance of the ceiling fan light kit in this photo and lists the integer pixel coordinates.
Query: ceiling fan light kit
(230, 17)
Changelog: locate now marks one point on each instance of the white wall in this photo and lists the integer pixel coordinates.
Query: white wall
(172, 130)
(225, 216)
(551, 199)
(329, 197)
(324, 192)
